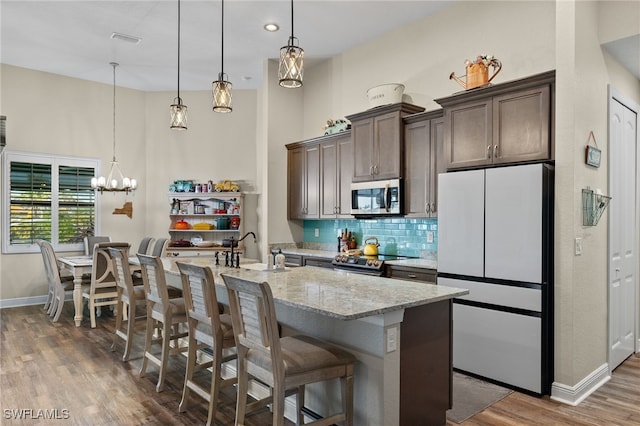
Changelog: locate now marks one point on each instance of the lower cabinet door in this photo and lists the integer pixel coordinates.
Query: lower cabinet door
(498, 345)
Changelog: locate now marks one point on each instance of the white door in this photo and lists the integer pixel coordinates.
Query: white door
(623, 241)
(461, 223)
(513, 223)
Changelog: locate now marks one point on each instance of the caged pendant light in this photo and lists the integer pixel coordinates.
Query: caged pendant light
(115, 180)
(291, 69)
(221, 88)
(178, 109)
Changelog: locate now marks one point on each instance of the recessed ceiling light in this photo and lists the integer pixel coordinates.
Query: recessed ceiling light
(127, 38)
(271, 27)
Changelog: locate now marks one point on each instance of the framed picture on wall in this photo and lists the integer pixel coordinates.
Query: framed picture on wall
(592, 157)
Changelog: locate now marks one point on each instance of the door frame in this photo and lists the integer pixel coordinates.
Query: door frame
(614, 95)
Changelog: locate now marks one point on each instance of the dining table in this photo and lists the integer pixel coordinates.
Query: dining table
(78, 266)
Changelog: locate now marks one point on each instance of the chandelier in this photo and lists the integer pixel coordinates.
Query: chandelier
(222, 88)
(178, 109)
(115, 180)
(291, 61)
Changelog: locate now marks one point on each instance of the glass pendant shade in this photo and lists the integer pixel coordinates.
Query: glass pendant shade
(222, 94)
(291, 69)
(178, 115)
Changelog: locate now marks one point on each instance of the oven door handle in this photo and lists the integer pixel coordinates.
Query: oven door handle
(372, 272)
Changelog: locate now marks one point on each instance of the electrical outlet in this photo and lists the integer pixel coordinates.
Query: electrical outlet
(316, 232)
(392, 339)
(578, 246)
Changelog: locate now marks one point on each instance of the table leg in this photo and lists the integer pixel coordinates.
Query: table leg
(77, 296)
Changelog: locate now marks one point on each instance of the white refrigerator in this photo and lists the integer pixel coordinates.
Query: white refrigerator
(495, 238)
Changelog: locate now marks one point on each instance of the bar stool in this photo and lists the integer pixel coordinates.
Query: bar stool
(208, 327)
(283, 363)
(129, 297)
(162, 312)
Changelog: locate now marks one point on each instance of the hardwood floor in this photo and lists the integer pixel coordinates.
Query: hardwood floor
(71, 373)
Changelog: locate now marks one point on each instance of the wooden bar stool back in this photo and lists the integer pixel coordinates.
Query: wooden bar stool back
(283, 363)
(129, 297)
(208, 328)
(164, 314)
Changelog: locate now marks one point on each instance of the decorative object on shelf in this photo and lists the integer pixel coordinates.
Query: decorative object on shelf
(336, 126)
(115, 180)
(226, 186)
(478, 72)
(127, 209)
(592, 153)
(291, 68)
(594, 204)
(181, 224)
(385, 94)
(181, 186)
(222, 87)
(178, 109)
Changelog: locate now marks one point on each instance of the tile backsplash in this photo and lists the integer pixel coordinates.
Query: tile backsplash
(401, 236)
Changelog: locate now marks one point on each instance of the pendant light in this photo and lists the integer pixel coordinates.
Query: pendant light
(221, 87)
(178, 110)
(115, 180)
(291, 61)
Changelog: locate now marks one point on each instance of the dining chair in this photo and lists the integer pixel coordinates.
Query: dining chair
(162, 313)
(103, 288)
(92, 240)
(208, 328)
(145, 245)
(59, 285)
(283, 363)
(159, 247)
(129, 297)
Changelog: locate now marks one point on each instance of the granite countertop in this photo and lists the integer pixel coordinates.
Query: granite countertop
(337, 294)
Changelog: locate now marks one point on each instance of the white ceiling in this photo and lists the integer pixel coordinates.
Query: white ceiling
(73, 37)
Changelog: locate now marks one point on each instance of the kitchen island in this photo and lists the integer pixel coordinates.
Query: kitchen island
(400, 332)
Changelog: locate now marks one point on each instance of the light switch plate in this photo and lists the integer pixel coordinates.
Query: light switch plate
(316, 232)
(578, 246)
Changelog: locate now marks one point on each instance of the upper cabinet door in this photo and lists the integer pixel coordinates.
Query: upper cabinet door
(416, 178)
(363, 149)
(345, 173)
(521, 126)
(387, 146)
(461, 223)
(329, 179)
(513, 223)
(468, 135)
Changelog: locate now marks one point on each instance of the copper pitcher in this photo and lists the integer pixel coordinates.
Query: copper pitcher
(478, 72)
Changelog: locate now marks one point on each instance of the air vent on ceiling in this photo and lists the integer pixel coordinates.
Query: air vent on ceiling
(127, 38)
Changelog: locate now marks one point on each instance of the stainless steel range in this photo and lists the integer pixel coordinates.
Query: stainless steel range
(369, 265)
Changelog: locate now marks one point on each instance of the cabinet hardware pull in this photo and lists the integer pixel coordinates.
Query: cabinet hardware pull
(495, 151)
(427, 207)
(412, 276)
(433, 207)
(375, 169)
(489, 151)
(371, 170)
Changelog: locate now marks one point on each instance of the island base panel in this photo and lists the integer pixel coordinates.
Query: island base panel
(425, 364)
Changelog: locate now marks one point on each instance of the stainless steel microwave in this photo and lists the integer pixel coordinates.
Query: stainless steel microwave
(377, 198)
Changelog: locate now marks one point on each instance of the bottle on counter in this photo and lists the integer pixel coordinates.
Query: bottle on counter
(280, 259)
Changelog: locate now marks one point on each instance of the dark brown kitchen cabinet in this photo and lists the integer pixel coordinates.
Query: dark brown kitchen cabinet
(336, 164)
(411, 273)
(505, 123)
(423, 138)
(377, 136)
(303, 182)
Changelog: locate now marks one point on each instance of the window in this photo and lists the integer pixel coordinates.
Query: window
(47, 197)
